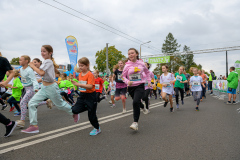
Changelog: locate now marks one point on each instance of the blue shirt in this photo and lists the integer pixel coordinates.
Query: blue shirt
(28, 78)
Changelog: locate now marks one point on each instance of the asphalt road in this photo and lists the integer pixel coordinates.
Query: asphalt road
(211, 133)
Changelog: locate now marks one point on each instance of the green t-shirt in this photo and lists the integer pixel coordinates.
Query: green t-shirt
(178, 79)
(17, 92)
(106, 84)
(233, 80)
(75, 81)
(5, 78)
(65, 84)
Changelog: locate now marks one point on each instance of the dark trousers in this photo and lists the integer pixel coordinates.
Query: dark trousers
(203, 92)
(65, 95)
(136, 93)
(13, 101)
(177, 93)
(145, 98)
(4, 120)
(87, 102)
(98, 97)
(70, 96)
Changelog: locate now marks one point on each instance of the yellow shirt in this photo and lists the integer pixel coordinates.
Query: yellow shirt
(159, 85)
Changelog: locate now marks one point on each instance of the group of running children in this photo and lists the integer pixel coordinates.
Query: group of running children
(41, 87)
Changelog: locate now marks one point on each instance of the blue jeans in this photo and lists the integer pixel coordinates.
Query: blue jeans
(13, 101)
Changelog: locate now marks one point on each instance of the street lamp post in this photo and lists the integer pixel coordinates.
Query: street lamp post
(141, 45)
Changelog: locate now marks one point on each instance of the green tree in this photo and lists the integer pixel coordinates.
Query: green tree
(114, 56)
(15, 61)
(170, 45)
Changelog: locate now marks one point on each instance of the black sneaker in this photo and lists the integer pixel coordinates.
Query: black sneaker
(4, 107)
(234, 102)
(10, 128)
(229, 102)
(197, 109)
(165, 104)
(171, 110)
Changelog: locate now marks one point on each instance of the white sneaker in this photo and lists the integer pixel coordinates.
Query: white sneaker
(146, 111)
(49, 104)
(110, 102)
(124, 111)
(134, 126)
(112, 106)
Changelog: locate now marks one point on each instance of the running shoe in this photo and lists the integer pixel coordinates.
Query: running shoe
(31, 129)
(177, 106)
(17, 114)
(112, 106)
(20, 123)
(11, 109)
(134, 126)
(110, 102)
(182, 102)
(229, 102)
(171, 110)
(4, 107)
(95, 132)
(165, 104)
(234, 102)
(155, 97)
(10, 128)
(146, 111)
(49, 104)
(124, 111)
(76, 117)
(197, 109)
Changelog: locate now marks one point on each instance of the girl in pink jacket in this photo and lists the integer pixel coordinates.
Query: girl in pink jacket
(133, 77)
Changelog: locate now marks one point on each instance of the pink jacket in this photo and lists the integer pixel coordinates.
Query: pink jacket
(145, 77)
(133, 71)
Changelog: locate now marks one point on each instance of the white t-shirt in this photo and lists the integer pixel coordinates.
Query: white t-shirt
(166, 80)
(113, 88)
(195, 82)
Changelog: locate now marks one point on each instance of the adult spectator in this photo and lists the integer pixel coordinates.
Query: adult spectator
(232, 85)
(211, 78)
(204, 77)
(186, 85)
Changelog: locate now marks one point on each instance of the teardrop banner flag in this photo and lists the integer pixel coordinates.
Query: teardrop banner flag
(72, 48)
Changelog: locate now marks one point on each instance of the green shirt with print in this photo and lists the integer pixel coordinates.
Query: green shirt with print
(177, 83)
(65, 84)
(17, 92)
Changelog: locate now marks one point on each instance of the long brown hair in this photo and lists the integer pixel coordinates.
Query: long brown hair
(50, 50)
(38, 60)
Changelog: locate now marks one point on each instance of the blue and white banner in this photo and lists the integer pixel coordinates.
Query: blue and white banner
(72, 48)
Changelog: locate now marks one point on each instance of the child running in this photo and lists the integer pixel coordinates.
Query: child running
(99, 86)
(87, 101)
(133, 76)
(121, 87)
(49, 89)
(16, 93)
(64, 85)
(179, 84)
(196, 88)
(112, 89)
(167, 79)
(30, 84)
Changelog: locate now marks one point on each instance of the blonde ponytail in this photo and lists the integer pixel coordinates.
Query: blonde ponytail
(54, 63)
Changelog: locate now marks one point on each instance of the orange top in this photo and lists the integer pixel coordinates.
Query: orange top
(204, 77)
(87, 79)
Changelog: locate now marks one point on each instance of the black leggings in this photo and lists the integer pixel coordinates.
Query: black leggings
(64, 94)
(136, 93)
(98, 97)
(145, 98)
(4, 97)
(177, 93)
(4, 120)
(13, 101)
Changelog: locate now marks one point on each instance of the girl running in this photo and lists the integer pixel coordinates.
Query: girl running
(112, 89)
(49, 89)
(147, 89)
(196, 88)
(75, 88)
(99, 86)
(121, 87)
(7, 94)
(87, 100)
(64, 85)
(37, 62)
(179, 84)
(167, 79)
(16, 93)
(133, 76)
(30, 84)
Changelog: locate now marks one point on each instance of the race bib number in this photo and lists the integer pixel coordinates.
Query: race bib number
(146, 83)
(24, 80)
(97, 86)
(135, 77)
(112, 92)
(168, 84)
(179, 78)
(119, 77)
(82, 82)
(195, 83)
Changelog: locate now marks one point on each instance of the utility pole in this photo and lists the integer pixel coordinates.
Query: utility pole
(107, 58)
(226, 65)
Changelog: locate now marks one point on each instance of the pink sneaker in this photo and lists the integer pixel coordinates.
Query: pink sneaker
(76, 117)
(31, 129)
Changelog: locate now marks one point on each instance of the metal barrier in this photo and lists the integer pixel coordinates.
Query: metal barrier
(220, 89)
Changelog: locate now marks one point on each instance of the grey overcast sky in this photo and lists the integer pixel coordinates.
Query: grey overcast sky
(28, 24)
